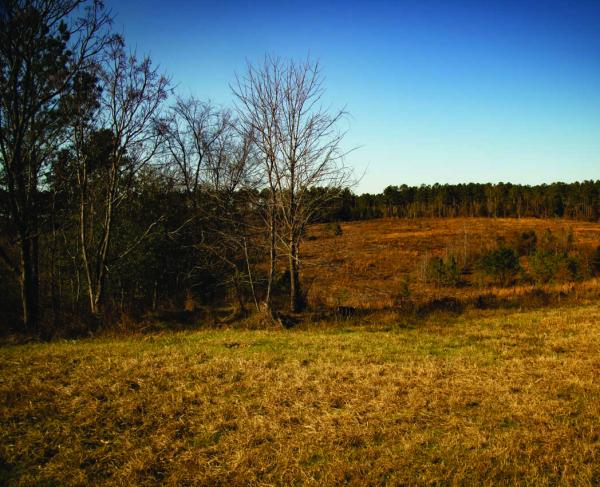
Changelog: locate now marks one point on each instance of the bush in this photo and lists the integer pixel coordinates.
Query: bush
(557, 244)
(403, 293)
(501, 264)
(526, 242)
(333, 228)
(548, 266)
(443, 272)
(555, 259)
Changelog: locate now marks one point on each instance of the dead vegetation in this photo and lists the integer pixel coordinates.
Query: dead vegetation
(496, 397)
(379, 264)
(388, 380)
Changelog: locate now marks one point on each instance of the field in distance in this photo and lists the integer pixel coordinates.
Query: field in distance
(496, 397)
(369, 264)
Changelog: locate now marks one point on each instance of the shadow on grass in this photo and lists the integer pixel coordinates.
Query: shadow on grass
(408, 313)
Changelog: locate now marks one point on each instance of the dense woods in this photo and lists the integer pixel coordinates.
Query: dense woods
(577, 201)
(119, 196)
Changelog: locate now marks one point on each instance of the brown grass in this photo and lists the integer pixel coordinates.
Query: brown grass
(485, 398)
(366, 266)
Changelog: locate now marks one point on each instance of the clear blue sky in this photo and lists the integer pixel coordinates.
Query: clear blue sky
(438, 91)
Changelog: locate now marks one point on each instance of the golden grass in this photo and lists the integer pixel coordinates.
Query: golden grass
(367, 265)
(485, 398)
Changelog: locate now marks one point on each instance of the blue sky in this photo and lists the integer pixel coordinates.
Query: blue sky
(446, 91)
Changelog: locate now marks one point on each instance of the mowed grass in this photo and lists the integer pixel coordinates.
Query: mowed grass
(482, 398)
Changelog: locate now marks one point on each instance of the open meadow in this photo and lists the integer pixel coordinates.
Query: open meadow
(379, 395)
(377, 264)
(489, 397)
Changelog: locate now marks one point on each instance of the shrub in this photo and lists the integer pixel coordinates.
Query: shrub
(501, 264)
(334, 228)
(554, 259)
(556, 244)
(443, 272)
(403, 293)
(526, 242)
(548, 266)
(543, 266)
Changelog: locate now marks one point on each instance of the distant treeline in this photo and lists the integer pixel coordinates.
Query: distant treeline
(578, 201)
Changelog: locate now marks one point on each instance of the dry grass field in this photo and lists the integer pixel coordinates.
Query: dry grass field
(368, 264)
(490, 397)
(484, 396)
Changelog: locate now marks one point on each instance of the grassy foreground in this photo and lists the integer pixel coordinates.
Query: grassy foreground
(482, 398)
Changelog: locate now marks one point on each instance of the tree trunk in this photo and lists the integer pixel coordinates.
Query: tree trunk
(239, 293)
(296, 301)
(250, 278)
(29, 281)
(95, 271)
(272, 255)
(155, 296)
(54, 288)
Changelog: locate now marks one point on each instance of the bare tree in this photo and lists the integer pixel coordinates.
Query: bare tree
(310, 142)
(300, 145)
(124, 139)
(259, 94)
(192, 130)
(229, 221)
(44, 44)
(212, 161)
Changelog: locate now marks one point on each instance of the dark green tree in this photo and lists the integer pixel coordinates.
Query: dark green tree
(501, 264)
(44, 44)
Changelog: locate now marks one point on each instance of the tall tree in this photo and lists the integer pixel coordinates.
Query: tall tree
(259, 95)
(113, 141)
(310, 143)
(281, 101)
(211, 161)
(44, 44)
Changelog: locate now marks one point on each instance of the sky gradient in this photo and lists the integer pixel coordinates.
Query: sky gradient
(444, 91)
